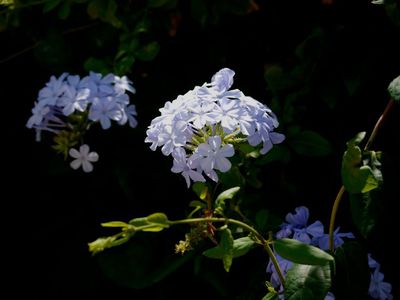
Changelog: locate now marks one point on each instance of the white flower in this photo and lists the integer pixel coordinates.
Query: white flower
(83, 157)
(182, 165)
(204, 119)
(122, 84)
(214, 156)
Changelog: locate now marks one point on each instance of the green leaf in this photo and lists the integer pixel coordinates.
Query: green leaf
(266, 221)
(104, 10)
(271, 296)
(232, 178)
(167, 4)
(310, 143)
(358, 177)
(353, 274)
(240, 247)
(158, 220)
(364, 211)
(124, 65)
(148, 52)
(50, 5)
(64, 10)
(225, 195)
(115, 224)
(277, 153)
(301, 253)
(197, 203)
(96, 65)
(200, 189)
(307, 282)
(228, 194)
(226, 244)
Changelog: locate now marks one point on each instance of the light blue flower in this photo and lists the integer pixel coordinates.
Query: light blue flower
(185, 167)
(213, 110)
(372, 263)
(104, 110)
(330, 296)
(214, 155)
(222, 80)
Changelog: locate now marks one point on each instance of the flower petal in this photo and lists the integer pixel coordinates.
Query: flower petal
(75, 164)
(74, 153)
(87, 166)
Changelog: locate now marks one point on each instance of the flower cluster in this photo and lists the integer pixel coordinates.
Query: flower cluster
(201, 128)
(296, 227)
(67, 106)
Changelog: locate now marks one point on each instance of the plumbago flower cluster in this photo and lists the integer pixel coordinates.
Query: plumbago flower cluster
(205, 127)
(68, 106)
(296, 227)
(201, 128)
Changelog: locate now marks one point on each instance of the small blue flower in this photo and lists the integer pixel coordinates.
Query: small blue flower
(297, 225)
(330, 296)
(323, 241)
(378, 289)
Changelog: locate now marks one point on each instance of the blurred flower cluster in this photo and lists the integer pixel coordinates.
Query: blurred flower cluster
(201, 128)
(296, 227)
(67, 106)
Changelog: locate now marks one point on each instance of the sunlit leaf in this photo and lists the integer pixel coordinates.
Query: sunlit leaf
(358, 177)
(115, 224)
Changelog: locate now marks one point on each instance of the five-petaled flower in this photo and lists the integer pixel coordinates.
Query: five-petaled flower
(83, 158)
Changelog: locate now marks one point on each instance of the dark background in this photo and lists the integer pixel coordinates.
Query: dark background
(350, 55)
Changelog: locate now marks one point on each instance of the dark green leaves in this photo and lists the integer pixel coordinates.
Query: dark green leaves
(301, 253)
(226, 244)
(104, 10)
(148, 52)
(97, 65)
(307, 282)
(228, 249)
(240, 247)
(358, 175)
(351, 259)
(309, 143)
(200, 189)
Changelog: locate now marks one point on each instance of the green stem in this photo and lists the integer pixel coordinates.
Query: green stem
(243, 225)
(339, 195)
(275, 263)
(333, 217)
